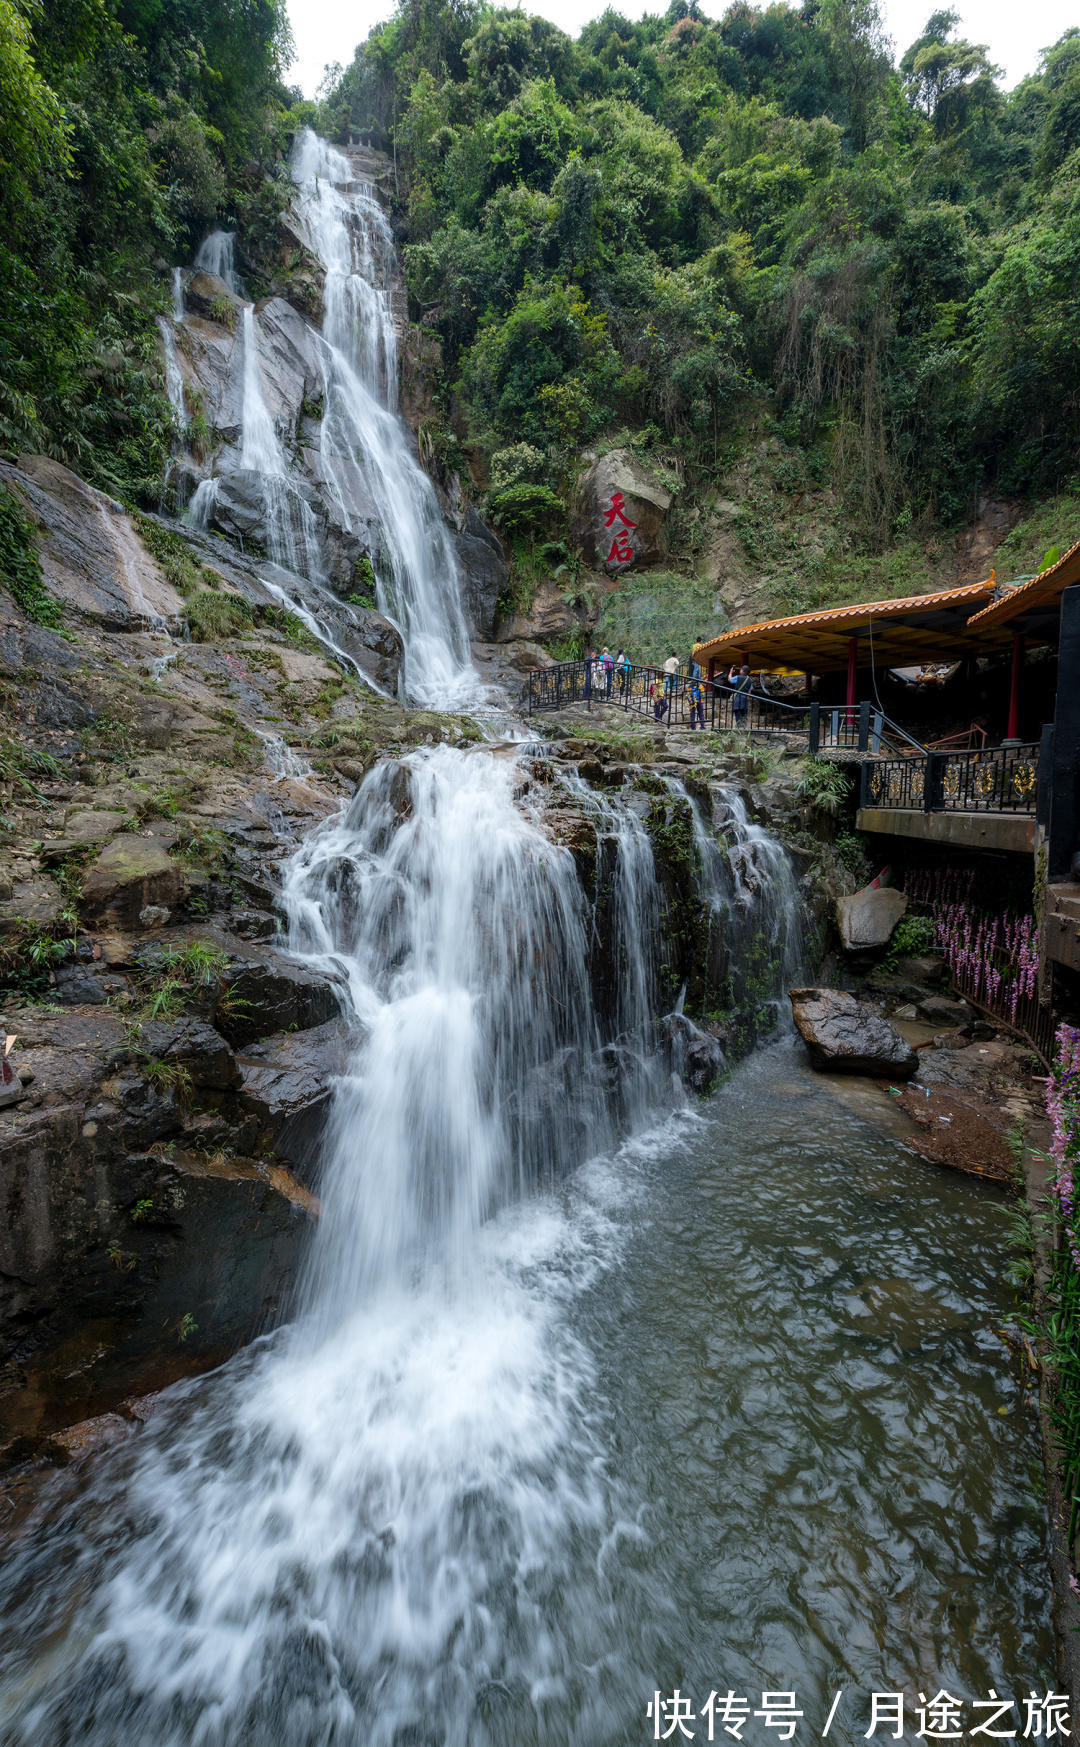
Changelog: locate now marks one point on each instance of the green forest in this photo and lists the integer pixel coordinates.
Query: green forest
(684, 235)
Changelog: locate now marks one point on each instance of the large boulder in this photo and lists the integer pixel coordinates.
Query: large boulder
(616, 491)
(290, 361)
(209, 363)
(91, 557)
(848, 1036)
(548, 616)
(133, 878)
(866, 920)
(268, 992)
(484, 573)
(210, 297)
(373, 642)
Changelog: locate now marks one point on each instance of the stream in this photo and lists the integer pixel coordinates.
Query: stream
(723, 1409)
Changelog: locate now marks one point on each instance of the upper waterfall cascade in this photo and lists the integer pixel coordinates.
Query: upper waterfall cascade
(366, 451)
(362, 475)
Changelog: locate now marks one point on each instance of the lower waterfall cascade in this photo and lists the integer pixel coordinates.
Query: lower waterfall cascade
(362, 1485)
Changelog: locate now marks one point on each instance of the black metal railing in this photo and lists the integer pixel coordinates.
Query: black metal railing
(677, 701)
(670, 700)
(999, 779)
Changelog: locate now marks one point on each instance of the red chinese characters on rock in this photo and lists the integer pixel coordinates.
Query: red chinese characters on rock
(622, 551)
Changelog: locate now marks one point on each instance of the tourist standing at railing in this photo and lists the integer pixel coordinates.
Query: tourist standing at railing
(622, 668)
(742, 684)
(696, 694)
(589, 659)
(659, 697)
(607, 661)
(671, 669)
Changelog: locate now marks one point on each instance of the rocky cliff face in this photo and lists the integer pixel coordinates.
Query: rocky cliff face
(160, 755)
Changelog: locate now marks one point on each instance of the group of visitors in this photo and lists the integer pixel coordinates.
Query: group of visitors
(604, 672)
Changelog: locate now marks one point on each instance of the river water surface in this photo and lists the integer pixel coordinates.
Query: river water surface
(727, 1409)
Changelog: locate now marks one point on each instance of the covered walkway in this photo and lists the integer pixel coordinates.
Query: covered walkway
(909, 632)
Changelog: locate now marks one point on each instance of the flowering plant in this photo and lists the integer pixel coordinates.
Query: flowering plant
(1063, 1109)
(994, 959)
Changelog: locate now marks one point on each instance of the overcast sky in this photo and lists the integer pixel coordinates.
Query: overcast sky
(1015, 30)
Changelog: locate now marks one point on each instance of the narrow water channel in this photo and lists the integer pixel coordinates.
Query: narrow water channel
(727, 1409)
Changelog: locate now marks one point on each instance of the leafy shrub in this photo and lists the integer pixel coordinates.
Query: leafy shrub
(825, 785)
(522, 509)
(911, 936)
(20, 566)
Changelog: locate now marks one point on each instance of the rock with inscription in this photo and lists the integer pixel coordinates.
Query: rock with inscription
(619, 511)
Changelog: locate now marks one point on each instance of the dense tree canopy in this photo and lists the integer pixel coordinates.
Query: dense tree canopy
(127, 127)
(638, 228)
(639, 231)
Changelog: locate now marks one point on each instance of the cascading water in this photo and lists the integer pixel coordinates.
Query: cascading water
(371, 1488)
(217, 255)
(365, 450)
(174, 381)
(487, 1488)
(412, 1517)
(291, 530)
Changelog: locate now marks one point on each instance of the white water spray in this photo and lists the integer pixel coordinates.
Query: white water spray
(366, 451)
(217, 255)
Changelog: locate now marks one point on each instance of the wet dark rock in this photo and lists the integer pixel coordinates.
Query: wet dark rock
(131, 874)
(269, 992)
(194, 1048)
(285, 1094)
(844, 1035)
(943, 1010)
(695, 1055)
(484, 573)
(78, 987)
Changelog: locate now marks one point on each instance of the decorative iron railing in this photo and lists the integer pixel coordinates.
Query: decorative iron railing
(999, 779)
(716, 705)
(669, 700)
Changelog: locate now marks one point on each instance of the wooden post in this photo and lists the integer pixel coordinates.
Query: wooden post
(1012, 732)
(815, 726)
(852, 669)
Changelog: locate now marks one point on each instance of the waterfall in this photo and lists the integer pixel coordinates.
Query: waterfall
(399, 1506)
(400, 1502)
(174, 381)
(217, 255)
(365, 448)
(292, 533)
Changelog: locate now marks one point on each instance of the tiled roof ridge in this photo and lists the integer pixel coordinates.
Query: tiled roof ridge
(855, 609)
(1034, 584)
